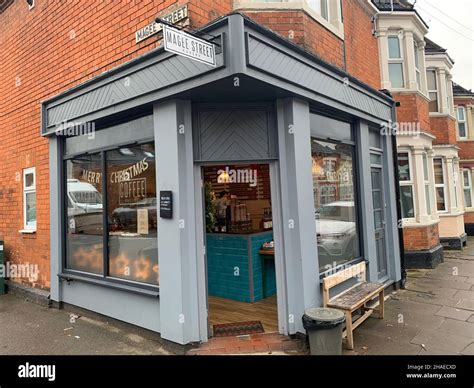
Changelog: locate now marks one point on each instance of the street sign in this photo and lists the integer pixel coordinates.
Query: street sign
(178, 15)
(189, 46)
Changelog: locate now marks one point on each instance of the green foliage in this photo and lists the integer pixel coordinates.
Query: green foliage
(210, 208)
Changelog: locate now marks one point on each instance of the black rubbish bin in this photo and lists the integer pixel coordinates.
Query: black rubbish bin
(324, 327)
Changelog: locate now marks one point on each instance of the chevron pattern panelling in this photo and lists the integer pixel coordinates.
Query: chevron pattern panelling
(271, 60)
(226, 135)
(157, 76)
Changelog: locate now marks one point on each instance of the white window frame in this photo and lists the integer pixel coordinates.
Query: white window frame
(400, 60)
(410, 183)
(441, 185)
(28, 190)
(463, 121)
(455, 185)
(434, 90)
(426, 181)
(469, 187)
(417, 66)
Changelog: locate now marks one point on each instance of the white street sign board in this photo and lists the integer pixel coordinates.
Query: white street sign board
(187, 45)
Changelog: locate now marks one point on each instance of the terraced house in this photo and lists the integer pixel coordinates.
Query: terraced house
(418, 73)
(463, 101)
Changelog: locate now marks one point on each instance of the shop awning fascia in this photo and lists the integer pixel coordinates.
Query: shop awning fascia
(247, 49)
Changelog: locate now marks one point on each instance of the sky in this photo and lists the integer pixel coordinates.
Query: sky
(452, 27)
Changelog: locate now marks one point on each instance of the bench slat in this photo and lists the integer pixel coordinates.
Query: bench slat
(356, 296)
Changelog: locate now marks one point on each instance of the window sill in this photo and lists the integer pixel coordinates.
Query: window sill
(441, 115)
(147, 291)
(299, 5)
(27, 231)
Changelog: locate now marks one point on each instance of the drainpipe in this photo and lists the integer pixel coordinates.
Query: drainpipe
(397, 194)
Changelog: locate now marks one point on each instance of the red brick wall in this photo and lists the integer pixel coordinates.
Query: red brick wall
(357, 53)
(444, 128)
(469, 218)
(422, 238)
(59, 45)
(413, 109)
(362, 58)
(50, 49)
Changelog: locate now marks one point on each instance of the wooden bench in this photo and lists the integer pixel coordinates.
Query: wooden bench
(354, 298)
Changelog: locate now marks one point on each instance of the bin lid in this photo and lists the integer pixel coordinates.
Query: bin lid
(324, 316)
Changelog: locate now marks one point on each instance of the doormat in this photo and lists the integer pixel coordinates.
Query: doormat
(238, 328)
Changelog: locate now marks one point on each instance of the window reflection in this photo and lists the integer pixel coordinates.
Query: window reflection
(131, 210)
(334, 201)
(84, 232)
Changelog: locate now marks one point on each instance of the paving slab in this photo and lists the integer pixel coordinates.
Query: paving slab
(368, 344)
(452, 283)
(463, 294)
(441, 340)
(464, 329)
(454, 313)
(432, 289)
(465, 304)
(468, 350)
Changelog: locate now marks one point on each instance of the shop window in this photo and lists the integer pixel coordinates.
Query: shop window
(426, 181)
(132, 211)
(433, 90)
(84, 230)
(29, 199)
(440, 186)
(406, 185)
(467, 187)
(462, 126)
(335, 196)
(395, 62)
(127, 195)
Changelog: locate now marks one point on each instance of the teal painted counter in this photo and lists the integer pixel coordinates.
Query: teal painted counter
(235, 266)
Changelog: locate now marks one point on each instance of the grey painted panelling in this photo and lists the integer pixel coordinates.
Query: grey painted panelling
(167, 71)
(230, 134)
(134, 130)
(143, 311)
(269, 59)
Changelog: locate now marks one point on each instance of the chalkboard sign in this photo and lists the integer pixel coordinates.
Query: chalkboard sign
(166, 204)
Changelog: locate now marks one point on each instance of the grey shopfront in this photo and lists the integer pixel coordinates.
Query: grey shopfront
(160, 120)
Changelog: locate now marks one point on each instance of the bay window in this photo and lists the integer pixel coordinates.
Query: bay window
(395, 62)
(433, 91)
(440, 185)
(462, 125)
(467, 187)
(406, 185)
(111, 217)
(335, 194)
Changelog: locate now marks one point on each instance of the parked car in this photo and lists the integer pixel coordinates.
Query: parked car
(84, 208)
(125, 217)
(336, 230)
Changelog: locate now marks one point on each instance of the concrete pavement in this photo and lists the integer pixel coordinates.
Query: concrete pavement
(434, 315)
(30, 329)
